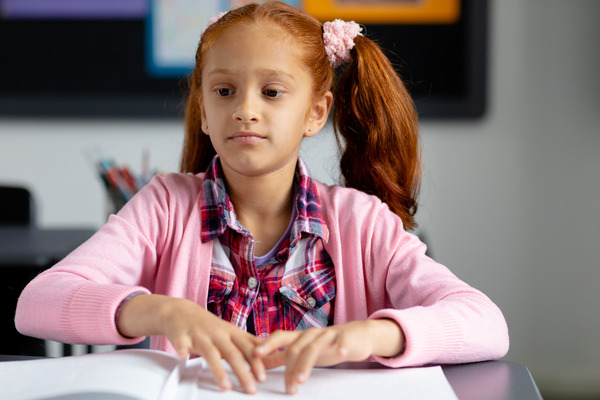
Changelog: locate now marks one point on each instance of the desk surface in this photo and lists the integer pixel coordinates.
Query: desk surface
(34, 247)
(492, 380)
(489, 380)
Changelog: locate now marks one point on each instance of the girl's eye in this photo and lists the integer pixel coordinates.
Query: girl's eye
(272, 93)
(224, 92)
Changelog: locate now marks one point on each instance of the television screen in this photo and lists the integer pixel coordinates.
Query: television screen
(93, 58)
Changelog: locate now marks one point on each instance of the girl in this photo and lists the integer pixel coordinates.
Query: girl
(246, 257)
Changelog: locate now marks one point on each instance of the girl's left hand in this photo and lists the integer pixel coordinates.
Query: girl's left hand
(305, 349)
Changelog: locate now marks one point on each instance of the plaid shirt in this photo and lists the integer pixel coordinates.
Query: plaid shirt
(292, 287)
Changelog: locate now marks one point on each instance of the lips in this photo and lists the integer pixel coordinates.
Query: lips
(246, 137)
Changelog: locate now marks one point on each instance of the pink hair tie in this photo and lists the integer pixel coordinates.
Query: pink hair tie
(338, 37)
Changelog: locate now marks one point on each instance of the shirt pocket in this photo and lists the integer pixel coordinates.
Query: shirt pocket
(308, 301)
(219, 292)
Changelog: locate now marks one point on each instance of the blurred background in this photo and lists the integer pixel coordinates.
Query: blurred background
(509, 201)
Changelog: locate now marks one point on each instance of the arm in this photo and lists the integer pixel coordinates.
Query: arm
(444, 320)
(76, 300)
(382, 272)
(383, 275)
(141, 249)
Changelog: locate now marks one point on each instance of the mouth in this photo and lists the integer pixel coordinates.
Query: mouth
(246, 137)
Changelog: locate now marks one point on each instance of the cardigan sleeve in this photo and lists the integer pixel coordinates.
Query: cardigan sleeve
(383, 272)
(76, 300)
(444, 320)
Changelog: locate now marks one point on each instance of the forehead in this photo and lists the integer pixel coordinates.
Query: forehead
(252, 44)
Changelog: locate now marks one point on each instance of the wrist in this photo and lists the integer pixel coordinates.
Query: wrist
(141, 315)
(387, 338)
(118, 312)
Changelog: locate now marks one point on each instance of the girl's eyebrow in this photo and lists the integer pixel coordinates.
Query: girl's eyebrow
(263, 72)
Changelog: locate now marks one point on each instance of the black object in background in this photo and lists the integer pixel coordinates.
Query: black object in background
(96, 68)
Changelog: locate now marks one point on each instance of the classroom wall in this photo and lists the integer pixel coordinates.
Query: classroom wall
(509, 202)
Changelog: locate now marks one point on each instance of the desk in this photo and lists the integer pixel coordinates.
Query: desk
(489, 380)
(492, 380)
(24, 253)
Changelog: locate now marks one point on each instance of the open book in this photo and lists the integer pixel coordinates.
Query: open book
(150, 374)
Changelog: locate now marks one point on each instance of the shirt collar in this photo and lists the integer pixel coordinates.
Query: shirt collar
(218, 212)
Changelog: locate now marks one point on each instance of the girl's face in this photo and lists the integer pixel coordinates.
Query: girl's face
(257, 101)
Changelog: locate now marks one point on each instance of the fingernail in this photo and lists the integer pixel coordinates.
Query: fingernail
(292, 389)
(224, 384)
(262, 376)
(301, 378)
(251, 388)
(183, 353)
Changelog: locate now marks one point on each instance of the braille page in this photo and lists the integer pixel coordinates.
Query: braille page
(148, 374)
(357, 381)
(118, 375)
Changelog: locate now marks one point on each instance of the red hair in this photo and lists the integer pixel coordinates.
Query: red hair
(374, 116)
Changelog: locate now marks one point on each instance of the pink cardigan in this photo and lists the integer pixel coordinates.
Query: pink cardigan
(153, 244)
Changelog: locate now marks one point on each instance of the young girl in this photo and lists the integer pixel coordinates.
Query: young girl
(247, 258)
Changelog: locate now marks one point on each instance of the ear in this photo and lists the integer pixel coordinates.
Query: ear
(317, 115)
(203, 122)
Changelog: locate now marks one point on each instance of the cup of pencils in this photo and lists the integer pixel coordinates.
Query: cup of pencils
(120, 183)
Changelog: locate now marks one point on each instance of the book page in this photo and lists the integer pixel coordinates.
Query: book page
(118, 375)
(150, 374)
(348, 381)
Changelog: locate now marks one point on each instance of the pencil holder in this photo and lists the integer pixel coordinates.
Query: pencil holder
(114, 201)
(120, 184)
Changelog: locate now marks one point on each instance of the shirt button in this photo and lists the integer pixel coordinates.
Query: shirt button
(252, 282)
(311, 301)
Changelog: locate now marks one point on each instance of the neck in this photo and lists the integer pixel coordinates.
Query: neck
(263, 204)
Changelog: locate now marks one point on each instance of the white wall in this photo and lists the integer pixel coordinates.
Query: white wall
(510, 202)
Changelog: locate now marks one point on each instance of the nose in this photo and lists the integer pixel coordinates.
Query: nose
(246, 110)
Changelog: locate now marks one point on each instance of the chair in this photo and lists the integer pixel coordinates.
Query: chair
(17, 209)
(16, 206)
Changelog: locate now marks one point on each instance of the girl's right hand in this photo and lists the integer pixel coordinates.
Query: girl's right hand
(194, 330)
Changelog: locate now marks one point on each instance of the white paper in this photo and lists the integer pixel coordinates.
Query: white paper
(377, 383)
(132, 373)
(147, 374)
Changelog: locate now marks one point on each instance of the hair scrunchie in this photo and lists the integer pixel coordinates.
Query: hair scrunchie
(338, 37)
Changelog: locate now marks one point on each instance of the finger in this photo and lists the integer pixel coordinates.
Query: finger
(324, 350)
(183, 345)
(274, 360)
(234, 356)
(247, 343)
(303, 348)
(212, 355)
(276, 341)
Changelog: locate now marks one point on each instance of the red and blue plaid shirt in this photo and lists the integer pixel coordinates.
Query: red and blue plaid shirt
(292, 287)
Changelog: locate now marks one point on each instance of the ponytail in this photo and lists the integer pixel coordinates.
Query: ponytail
(375, 118)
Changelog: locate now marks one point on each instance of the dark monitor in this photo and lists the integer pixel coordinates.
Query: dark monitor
(97, 58)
